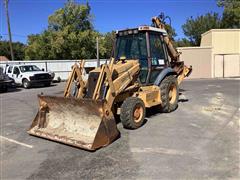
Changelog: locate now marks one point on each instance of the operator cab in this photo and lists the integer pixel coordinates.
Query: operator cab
(145, 44)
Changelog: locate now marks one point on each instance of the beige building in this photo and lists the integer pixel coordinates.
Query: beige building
(217, 56)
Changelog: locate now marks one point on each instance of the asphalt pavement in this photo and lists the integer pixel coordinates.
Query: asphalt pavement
(200, 140)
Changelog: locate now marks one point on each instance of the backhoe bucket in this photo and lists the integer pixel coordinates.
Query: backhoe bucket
(86, 123)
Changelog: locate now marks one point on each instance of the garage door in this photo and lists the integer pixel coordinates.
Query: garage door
(227, 65)
(231, 65)
(218, 66)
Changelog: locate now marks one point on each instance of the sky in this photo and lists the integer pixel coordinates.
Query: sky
(31, 16)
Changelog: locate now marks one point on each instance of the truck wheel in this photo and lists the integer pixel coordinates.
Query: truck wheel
(132, 113)
(26, 84)
(169, 94)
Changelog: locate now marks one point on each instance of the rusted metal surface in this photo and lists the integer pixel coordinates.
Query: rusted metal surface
(84, 123)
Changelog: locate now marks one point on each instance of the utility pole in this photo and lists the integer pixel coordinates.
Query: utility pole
(97, 46)
(9, 29)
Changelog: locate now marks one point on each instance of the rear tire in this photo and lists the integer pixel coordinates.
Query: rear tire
(132, 113)
(26, 84)
(169, 94)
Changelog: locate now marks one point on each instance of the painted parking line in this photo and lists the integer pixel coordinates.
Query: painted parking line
(158, 150)
(16, 142)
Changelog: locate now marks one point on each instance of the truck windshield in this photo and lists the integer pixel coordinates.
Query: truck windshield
(132, 46)
(29, 68)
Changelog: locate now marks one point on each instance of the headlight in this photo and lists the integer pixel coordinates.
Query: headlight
(31, 77)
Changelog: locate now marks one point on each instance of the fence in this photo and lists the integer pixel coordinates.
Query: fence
(61, 68)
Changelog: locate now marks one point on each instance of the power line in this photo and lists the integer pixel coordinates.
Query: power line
(18, 35)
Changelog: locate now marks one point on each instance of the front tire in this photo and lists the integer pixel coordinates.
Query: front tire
(169, 94)
(132, 113)
(26, 84)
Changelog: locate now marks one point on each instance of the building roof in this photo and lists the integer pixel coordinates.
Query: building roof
(3, 58)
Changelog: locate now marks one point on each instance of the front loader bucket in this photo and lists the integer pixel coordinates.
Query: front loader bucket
(86, 124)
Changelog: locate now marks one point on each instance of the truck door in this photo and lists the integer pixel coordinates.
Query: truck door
(9, 71)
(16, 75)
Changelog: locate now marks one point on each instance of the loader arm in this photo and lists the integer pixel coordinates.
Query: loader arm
(126, 71)
(76, 79)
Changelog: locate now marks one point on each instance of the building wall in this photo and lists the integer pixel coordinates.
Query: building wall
(226, 43)
(200, 59)
(223, 41)
(206, 39)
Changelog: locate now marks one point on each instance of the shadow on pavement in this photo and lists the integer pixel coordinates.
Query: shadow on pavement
(11, 90)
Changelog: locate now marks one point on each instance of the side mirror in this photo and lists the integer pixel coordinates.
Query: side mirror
(43, 69)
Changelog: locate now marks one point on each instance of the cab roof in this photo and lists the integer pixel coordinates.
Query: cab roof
(140, 28)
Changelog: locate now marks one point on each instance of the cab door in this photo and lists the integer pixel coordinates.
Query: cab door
(158, 55)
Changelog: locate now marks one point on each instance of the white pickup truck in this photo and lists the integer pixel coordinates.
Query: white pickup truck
(29, 75)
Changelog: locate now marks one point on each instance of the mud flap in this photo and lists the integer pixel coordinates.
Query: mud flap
(84, 123)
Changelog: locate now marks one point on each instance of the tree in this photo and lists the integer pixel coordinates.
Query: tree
(193, 28)
(18, 49)
(76, 17)
(184, 42)
(171, 31)
(69, 35)
(231, 13)
(108, 43)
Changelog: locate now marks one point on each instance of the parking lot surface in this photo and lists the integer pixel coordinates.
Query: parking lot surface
(197, 141)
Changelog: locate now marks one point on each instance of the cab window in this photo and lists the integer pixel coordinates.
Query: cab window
(157, 52)
(158, 57)
(10, 69)
(134, 46)
(16, 70)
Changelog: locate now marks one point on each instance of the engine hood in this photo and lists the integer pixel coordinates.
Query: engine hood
(35, 72)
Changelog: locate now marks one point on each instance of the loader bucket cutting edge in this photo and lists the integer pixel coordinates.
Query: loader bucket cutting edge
(80, 123)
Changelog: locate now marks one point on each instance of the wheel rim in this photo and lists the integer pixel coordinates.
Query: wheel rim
(172, 93)
(138, 113)
(25, 84)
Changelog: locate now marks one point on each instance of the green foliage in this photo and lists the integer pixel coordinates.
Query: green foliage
(18, 50)
(108, 42)
(70, 35)
(74, 16)
(171, 31)
(193, 28)
(184, 42)
(231, 13)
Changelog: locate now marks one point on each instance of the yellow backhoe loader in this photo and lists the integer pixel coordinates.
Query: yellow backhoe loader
(140, 75)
